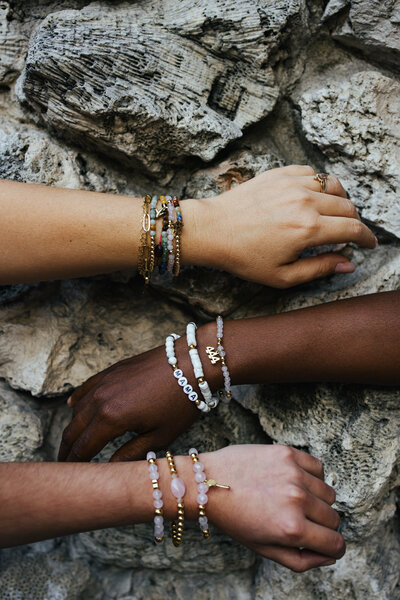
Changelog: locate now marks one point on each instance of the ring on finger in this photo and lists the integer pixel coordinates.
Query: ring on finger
(322, 178)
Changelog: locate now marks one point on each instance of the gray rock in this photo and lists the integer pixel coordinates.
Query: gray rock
(22, 427)
(129, 70)
(355, 123)
(370, 26)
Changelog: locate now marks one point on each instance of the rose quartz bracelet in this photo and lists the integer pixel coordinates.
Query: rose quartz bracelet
(157, 495)
(178, 490)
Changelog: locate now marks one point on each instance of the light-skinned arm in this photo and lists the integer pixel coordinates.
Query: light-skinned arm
(256, 230)
(278, 504)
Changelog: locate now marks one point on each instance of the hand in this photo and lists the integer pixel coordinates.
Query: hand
(138, 394)
(278, 504)
(258, 230)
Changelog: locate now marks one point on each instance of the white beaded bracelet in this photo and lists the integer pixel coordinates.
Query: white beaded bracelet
(211, 401)
(222, 354)
(157, 496)
(178, 373)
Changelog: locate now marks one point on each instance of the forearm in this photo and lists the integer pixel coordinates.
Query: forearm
(353, 341)
(55, 233)
(46, 500)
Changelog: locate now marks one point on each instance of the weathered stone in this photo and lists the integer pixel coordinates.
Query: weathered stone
(354, 431)
(13, 45)
(41, 576)
(371, 26)
(22, 427)
(142, 103)
(368, 571)
(355, 123)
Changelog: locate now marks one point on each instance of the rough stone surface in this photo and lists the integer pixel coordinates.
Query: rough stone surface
(371, 26)
(195, 97)
(356, 124)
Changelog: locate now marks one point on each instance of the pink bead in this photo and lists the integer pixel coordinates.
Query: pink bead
(202, 498)
(198, 466)
(154, 475)
(202, 488)
(178, 487)
(158, 503)
(157, 494)
(150, 455)
(192, 451)
(200, 476)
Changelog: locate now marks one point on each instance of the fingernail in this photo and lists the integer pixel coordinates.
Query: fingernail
(345, 267)
(376, 242)
(328, 563)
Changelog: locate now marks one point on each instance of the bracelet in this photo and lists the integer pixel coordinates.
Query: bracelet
(170, 235)
(178, 373)
(153, 206)
(178, 490)
(178, 232)
(203, 485)
(144, 258)
(210, 400)
(222, 354)
(157, 495)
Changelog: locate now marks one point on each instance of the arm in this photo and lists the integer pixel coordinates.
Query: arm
(43, 500)
(353, 341)
(256, 230)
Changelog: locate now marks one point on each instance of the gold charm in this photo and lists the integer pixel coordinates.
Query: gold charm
(212, 355)
(213, 483)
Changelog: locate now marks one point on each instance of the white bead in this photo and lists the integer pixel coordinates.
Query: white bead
(193, 396)
(172, 360)
(178, 373)
(150, 455)
(182, 381)
(191, 334)
(192, 451)
(188, 389)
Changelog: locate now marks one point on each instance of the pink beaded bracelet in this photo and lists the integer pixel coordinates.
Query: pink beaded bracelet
(157, 496)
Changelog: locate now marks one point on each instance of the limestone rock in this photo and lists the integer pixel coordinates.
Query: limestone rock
(371, 26)
(354, 431)
(355, 123)
(368, 571)
(41, 576)
(13, 45)
(153, 91)
(22, 427)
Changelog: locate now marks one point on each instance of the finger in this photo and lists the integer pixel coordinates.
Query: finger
(314, 267)
(72, 432)
(333, 206)
(294, 558)
(309, 463)
(321, 539)
(333, 185)
(320, 512)
(92, 439)
(83, 389)
(137, 448)
(319, 488)
(337, 230)
(296, 170)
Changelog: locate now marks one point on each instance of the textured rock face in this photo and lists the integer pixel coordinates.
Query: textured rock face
(196, 97)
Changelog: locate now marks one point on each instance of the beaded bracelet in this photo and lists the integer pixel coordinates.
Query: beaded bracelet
(203, 485)
(222, 354)
(178, 232)
(144, 258)
(178, 373)
(178, 490)
(153, 206)
(170, 235)
(210, 400)
(157, 495)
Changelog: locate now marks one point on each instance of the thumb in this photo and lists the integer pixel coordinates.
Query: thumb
(137, 448)
(307, 269)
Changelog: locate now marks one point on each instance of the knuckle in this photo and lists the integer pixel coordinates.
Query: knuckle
(292, 528)
(298, 567)
(357, 228)
(303, 195)
(297, 494)
(283, 280)
(309, 169)
(284, 452)
(106, 412)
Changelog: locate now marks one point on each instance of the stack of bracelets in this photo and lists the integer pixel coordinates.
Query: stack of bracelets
(209, 400)
(167, 253)
(178, 490)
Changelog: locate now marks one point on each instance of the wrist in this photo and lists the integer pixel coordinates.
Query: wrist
(200, 234)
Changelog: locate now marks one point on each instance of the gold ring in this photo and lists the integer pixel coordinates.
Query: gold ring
(322, 178)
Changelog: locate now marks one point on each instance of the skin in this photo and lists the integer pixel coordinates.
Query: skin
(257, 230)
(278, 504)
(331, 342)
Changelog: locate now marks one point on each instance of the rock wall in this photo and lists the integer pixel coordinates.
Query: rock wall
(191, 97)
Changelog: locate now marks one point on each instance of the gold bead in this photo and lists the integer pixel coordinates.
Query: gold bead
(159, 539)
(202, 507)
(206, 534)
(151, 461)
(200, 380)
(159, 511)
(197, 402)
(192, 347)
(181, 505)
(153, 481)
